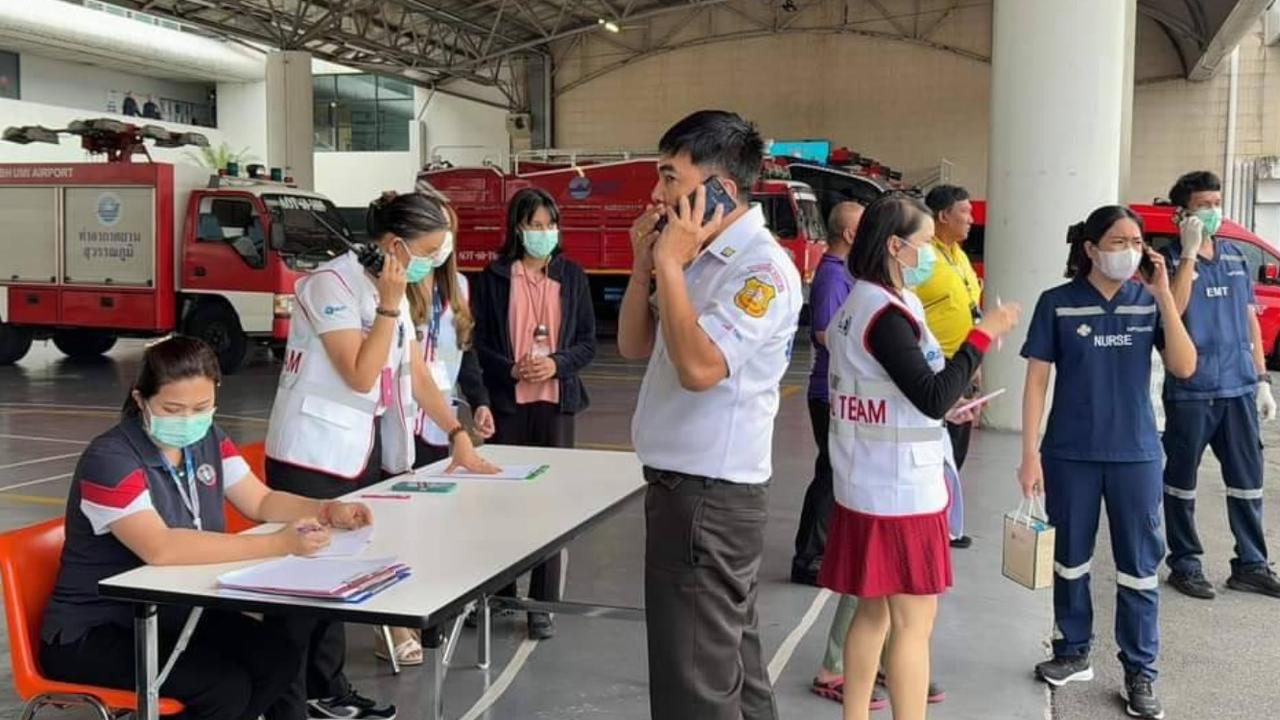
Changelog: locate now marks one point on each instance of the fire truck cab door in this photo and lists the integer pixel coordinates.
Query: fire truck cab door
(228, 249)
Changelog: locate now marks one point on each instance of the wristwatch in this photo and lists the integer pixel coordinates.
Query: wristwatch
(388, 313)
(1264, 378)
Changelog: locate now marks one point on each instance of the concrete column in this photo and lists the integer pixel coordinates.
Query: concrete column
(290, 116)
(1057, 119)
(1126, 105)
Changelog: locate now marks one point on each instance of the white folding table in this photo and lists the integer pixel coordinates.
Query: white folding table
(462, 547)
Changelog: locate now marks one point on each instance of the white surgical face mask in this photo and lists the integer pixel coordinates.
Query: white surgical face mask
(1119, 265)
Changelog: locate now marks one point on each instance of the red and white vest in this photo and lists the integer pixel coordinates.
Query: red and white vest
(318, 421)
(888, 457)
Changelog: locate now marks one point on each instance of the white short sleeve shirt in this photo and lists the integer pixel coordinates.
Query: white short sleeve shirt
(747, 294)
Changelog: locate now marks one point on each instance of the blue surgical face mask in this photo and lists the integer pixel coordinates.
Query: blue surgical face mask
(918, 275)
(420, 266)
(179, 431)
(540, 244)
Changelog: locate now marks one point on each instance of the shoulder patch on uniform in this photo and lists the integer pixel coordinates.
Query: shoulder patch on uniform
(755, 296)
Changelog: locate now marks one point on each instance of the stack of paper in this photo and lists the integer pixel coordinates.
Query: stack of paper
(350, 580)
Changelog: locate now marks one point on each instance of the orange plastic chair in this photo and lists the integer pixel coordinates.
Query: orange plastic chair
(29, 561)
(256, 456)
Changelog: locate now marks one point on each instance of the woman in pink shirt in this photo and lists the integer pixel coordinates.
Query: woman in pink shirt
(535, 331)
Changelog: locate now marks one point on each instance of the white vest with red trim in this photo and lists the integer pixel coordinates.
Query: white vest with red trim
(888, 458)
(318, 422)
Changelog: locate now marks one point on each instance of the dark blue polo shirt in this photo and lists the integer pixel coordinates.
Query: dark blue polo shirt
(1218, 320)
(121, 473)
(1101, 353)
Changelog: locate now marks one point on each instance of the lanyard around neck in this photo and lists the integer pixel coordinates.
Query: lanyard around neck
(191, 493)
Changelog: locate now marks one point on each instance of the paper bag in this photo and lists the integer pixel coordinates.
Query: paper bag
(1028, 548)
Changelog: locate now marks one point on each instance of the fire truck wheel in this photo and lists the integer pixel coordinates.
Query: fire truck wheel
(81, 344)
(14, 343)
(219, 326)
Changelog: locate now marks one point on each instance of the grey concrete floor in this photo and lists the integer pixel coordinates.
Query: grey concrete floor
(1218, 658)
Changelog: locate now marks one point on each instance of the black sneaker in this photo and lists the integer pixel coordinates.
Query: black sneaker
(1261, 580)
(353, 706)
(1060, 671)
(964, 542)
(1140, 698)
(541, 626)
(1192, 584)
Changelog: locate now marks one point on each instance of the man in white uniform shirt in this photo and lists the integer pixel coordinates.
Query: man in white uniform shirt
(718, 334)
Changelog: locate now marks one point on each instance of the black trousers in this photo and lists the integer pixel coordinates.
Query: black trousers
(321, 673)
(233, 668)
(960, 435)
(704, 540)
(819, 499)
(539, 424)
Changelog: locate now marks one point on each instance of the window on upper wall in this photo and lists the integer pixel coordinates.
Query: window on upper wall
(361, 113)
(9, 86)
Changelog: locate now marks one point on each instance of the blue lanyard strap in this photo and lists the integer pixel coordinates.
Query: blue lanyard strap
(191, 493)
(433, 330)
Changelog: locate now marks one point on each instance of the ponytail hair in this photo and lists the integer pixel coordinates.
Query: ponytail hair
(1092, 231)
(175, 358)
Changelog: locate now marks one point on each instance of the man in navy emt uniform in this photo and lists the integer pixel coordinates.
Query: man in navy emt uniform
(1220, 405)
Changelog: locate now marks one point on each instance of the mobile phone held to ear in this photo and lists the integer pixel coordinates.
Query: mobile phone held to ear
(1146, 267)
(717, 196)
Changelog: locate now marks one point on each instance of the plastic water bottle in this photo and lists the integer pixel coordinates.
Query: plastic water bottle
(541, 342)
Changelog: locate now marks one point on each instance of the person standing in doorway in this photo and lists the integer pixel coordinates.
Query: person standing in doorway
(718, 335)
(952, 299)
(1220, 405)
(535, 332)
(831, 284)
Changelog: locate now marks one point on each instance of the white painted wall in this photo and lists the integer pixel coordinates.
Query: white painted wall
(50, 81)
(242, 116)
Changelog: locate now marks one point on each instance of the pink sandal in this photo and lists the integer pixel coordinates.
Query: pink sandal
(834, 690)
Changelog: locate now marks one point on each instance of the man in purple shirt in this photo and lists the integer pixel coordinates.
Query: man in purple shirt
(831, 285)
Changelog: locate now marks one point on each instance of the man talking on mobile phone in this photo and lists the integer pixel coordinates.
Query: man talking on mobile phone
(717, 333)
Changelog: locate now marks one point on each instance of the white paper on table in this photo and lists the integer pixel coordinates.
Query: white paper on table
(507, 472)
(346, 543)
(303, 575)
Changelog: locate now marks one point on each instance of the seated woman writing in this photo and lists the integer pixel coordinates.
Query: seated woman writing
(150, 491)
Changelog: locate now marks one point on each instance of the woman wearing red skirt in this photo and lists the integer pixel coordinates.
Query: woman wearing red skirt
(890, 389)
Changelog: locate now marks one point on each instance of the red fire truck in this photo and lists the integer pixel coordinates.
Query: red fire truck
(599, 197)
(90, 252)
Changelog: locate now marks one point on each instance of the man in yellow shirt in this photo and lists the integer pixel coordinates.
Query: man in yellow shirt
(952, 299)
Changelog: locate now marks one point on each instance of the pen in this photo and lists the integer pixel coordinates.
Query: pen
(384, 497)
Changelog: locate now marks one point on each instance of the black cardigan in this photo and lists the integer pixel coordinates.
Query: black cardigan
(575, 346)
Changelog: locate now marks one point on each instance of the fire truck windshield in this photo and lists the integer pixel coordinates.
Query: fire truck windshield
(811, 218)
(309, 224)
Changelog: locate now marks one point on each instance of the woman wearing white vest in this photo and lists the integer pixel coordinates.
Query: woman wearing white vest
(438, 306)
(890, 390)
(347, 403)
